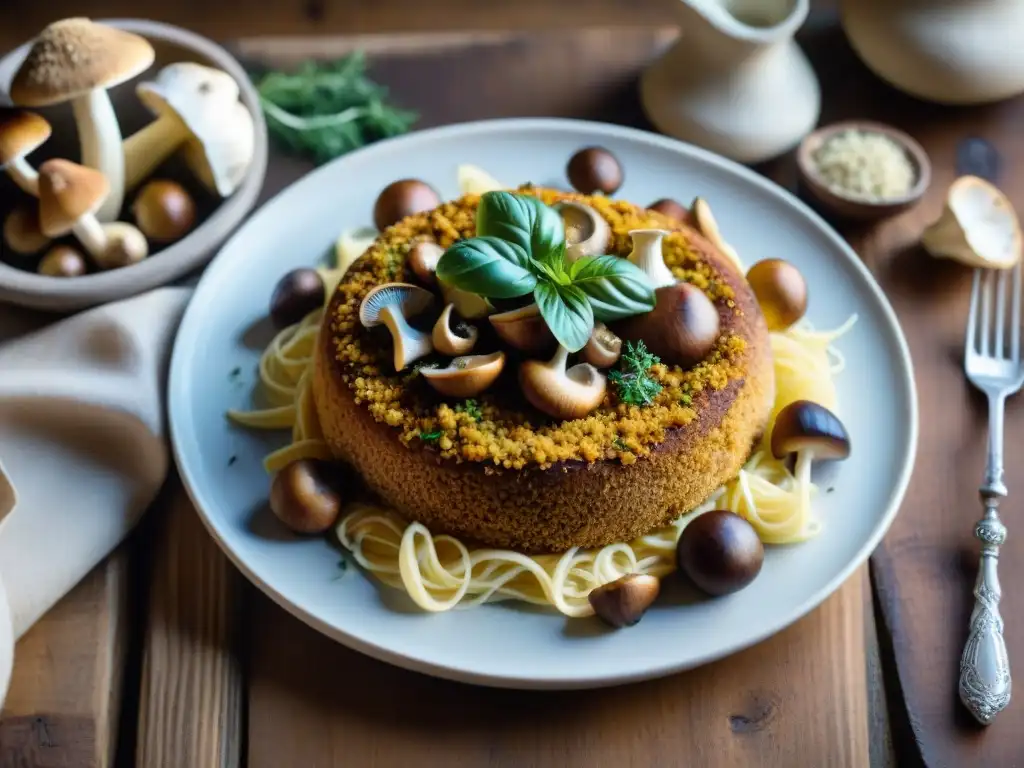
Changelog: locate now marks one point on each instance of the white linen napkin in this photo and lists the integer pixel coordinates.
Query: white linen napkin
(82, 445)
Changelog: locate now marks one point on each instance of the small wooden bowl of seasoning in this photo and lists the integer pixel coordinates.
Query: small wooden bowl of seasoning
(863, 170)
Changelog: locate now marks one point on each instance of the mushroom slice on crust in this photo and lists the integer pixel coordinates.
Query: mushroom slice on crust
(451, 336)
(390, 305)
(524, 329)
(560, 393)
(586, 231)
(466, 376)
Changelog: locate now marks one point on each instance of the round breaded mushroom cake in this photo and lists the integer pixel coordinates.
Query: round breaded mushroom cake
(498, 472)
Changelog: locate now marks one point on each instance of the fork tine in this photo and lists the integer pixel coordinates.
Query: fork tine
(1001, 320)
(970, 343)
(986, 314)
(1015, 319)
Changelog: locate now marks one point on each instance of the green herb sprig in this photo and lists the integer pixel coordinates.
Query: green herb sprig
(324, 110)
(431, 437)
(471, 408)
(633, 380)
(519, 249)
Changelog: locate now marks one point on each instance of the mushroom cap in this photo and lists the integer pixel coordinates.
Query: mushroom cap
(603, 348)
(74, 56)
(21, 133)
(67, 192)
(447, 341)
(220, 158)
(524, 329)
(586, 231)
(126, 245)
(21, 230)
(805, 425)
(978, 227)
(466, 376)
(623, 602)
(164, 210)
(562, 394)
(188, 90)
(409, 299)
(423, 258)
(781, 292)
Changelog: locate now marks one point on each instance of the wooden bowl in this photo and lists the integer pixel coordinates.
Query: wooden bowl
(848, 206)
(217, 217)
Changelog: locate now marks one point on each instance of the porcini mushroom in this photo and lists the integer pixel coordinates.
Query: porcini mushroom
(603, 349)
(623, 602)
(451, 336)
(560, 393)
(524, 329)
(303, 499)
(164, 211)
(978, 227)
(390, 304)
(594, 170)
(720, 552)
(296, 294)
(403, 198)
(422, 260)
(21, 134)
(646, 254)
(708, 226)
(77, 60)
(21, 230)
(781, 292)
(466, 376)
(69, 195)
(811, 432)
(681, 329)
(586, 231)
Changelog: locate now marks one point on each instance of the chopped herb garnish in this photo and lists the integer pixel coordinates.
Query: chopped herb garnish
(686, 399)
(620, 444)
(634, 382)
(431, 437)
(471, 408)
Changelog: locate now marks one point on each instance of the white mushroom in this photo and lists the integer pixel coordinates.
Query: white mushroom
(76, 60)
(466, 376)
(586, 231)
(560, 393)
(978, 227)
(69, 195)
(197, 108)
(390, 304)
(21, 134)
(452, 336)
(646, 254)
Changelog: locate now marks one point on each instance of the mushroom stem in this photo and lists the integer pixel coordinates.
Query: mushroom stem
(647, 255)
(559, 361)
(24, 175)
(802, 473)
(100, 138)
(90, 234)
(409, 343)
(147, 148)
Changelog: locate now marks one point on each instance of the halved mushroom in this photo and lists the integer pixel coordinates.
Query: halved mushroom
(422, 260)
(21, 230)
(586, 231)
(524, 329)
(623, 602)
(390, 304)
(811, 432)
(978, 227)
(708, 226)
(469, 305)
(466, 376)
(781, 292)
(647, 255)
(604, 348)
(452, 336)
(21, 134)
(77, 60)
(560, 393)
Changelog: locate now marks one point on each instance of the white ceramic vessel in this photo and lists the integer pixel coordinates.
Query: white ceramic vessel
(735, 82)
(947, 51)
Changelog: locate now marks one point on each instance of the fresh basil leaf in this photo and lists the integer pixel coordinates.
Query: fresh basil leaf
(487, 266)
(567, 313)
(522, 220)
(615, 287)
(555, 274)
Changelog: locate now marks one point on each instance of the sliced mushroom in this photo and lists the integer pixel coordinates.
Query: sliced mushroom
(978, 227)
(560, 393)
(781, 292)
(391, 304)
(708, 227)
(422, 260)
(524, 329)
(466, 376)
(647, 255)
(469, 305)
(77, 60)
(604, 348)
(452, 336)
(21, 230)
(21, 134)
(623, 602)
(586, 231)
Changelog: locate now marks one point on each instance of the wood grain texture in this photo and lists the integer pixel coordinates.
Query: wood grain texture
(64, 701)
(191, 699)
(798, 699)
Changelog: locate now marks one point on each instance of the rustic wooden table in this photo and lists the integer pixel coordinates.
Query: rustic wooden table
(164, 657)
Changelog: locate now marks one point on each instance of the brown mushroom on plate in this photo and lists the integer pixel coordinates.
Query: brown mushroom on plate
(524, 329)
(302, 498)
(720, 552)
(390, 305)
(466, 376)
(63, 261)
(21, 134)
(781, 292)
(164, 211)
(21, 230)
(402, 198)
(452, 336)
(673, 210)
(422, 260)
(586, 231)
(604, 348)
(681, 329)
(560, 392)
(594, 170)
(77, 60)
(296, 294)
(623, 602)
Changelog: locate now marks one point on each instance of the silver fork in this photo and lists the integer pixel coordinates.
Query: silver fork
(992, 361)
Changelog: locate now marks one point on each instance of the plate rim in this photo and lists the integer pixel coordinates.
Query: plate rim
(517, 681)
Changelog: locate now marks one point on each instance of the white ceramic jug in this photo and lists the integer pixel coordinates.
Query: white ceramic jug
(947, 51)
(735, 82)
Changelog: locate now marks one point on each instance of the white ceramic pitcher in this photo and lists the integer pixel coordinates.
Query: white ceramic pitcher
(947, 51)
(735, 82)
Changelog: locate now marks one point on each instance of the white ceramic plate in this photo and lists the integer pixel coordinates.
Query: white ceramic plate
(500, 644)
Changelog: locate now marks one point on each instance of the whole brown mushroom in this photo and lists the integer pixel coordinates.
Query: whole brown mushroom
(673, 209)
(402, 198)
(781, 292)
(720, 552)
(681, 329)
(164, 211)
(298, 293)
(594, 170)
(303, 499)
(62, 261)
(21, 230)
(623, 602)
